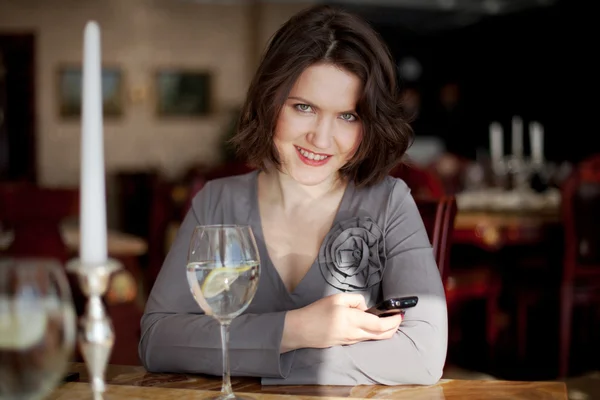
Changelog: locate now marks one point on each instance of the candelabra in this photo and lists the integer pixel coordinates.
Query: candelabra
(513, 173)
(96, 335)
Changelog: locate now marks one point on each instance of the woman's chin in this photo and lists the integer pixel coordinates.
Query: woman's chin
(311, 178)
(308, 175)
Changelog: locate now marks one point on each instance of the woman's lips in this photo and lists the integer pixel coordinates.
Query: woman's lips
(317, 159)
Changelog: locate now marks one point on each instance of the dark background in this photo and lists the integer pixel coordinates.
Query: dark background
(535, 60)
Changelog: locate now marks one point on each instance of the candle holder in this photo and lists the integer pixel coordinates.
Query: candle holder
(500, 170)
(96, 335)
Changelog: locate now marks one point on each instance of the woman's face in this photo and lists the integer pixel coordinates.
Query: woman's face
(318, 130)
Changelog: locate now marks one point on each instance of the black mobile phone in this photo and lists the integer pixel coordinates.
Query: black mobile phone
(71, 377)
(393, 306)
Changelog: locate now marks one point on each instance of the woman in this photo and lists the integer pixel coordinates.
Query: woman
(323, 125)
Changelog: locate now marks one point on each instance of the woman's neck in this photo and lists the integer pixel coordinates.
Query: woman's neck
(281, 190)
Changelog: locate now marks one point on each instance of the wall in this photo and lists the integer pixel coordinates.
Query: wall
(140, 36)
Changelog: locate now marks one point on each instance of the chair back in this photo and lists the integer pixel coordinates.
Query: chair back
(422, 182)
(581, 219)
(438, 216)
(34, 215)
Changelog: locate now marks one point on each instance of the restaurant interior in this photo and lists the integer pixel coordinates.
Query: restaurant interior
(504, 149)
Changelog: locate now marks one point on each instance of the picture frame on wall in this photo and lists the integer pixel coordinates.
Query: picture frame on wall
(183, 93)
(69, 91)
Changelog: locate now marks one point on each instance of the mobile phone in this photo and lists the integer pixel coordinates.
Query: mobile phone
(71, 377)
(393, 306)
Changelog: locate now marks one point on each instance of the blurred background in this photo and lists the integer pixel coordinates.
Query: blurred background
(503, 98)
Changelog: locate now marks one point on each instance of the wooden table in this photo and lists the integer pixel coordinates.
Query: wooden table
(493, 230)
(131, 382)
(492, 218)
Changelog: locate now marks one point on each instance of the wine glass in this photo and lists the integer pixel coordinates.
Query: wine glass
(37, 327)
(223, 270)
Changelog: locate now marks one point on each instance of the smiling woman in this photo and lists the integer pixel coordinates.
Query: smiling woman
(323, 125)
(317, 125)
(314, 54)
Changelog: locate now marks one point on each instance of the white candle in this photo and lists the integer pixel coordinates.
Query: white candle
(536, 138)
(496, 142)
(92, 196)
(517, 137)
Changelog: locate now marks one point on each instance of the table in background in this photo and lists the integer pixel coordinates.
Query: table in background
(492, 219)
(118, 244)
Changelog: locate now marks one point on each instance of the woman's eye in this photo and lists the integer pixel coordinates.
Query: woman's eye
(303, 107)
(348, 117)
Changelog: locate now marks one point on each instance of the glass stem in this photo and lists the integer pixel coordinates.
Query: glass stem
(226, 387)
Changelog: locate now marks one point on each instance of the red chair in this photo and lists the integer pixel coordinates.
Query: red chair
(438, 216)
(422, 182)
(580, 283)
(462, 284)
(34, 215)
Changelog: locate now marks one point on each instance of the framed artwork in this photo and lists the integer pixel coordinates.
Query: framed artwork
(69, 91)
(183, 93)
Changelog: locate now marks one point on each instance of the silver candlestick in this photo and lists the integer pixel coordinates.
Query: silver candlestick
(96, 334)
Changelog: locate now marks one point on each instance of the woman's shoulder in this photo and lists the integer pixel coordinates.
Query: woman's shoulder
(390, 190)
(225, 191)
(395, 185)
(231, 184)
(386, 202)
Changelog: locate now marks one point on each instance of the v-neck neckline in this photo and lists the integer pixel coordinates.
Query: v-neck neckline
(257, 219)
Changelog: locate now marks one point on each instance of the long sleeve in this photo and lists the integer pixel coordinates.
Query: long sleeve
(417, 352)
(178, 337)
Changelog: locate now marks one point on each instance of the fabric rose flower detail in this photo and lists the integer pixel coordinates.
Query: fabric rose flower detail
(352, 257)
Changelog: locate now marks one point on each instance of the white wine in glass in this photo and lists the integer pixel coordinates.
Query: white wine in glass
(223, 270)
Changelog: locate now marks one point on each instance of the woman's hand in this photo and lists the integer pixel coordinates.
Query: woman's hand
(335, 320)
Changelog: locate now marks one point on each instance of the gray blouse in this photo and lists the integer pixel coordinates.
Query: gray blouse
(377, 247)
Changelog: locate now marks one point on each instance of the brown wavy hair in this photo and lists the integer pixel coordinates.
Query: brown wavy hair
(326, 34)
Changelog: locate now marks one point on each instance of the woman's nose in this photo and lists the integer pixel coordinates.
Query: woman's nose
(322, 135)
